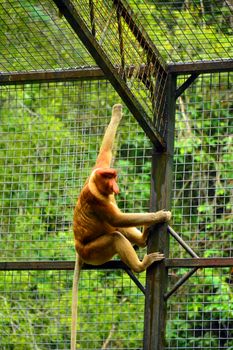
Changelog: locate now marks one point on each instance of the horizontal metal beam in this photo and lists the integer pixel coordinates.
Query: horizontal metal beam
(194, 264)
(57, 265)
(84, 73)
(201, 67)
(68, 266)
(199, 262)
(113, 264)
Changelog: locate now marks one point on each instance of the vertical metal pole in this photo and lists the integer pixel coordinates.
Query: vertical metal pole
(157, 274)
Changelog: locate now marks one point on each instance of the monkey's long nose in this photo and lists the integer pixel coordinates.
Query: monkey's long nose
(115, 187)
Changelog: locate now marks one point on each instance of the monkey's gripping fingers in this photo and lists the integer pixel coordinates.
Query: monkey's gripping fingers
(156, 256)
(162, 216)
(167, 215)
(151, 258)
(117, 112)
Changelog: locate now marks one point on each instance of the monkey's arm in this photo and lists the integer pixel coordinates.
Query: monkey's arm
(118, 219)
(105, 154)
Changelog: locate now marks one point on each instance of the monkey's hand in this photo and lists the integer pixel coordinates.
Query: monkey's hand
(162, 216)
(117, 112)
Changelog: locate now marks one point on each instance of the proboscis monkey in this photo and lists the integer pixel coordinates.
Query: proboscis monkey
(101, 230)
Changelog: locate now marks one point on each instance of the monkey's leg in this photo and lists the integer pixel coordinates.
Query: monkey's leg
(130, 258)
(105, 247)
(135, 236)
(105, 154)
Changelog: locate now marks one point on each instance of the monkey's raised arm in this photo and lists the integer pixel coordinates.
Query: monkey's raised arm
(105, 154)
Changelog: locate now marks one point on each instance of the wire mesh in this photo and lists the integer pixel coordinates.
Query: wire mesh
(34, 37)
(203, 173)
(35, 310)
(188, 31)
(50, 135)
(130, 51)
(182, 31)
(49, 140)
(200, 315)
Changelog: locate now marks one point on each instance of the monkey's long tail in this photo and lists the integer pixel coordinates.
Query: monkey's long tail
(77, 270)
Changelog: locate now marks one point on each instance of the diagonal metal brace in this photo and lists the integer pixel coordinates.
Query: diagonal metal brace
(186, 84)
(66, 266)
(135, 280)
(187, 275)
(182, 242)
(70, 13)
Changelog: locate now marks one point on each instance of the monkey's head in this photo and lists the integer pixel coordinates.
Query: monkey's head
(105, 180)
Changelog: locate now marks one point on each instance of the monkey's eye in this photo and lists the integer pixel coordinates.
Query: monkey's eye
(108, 176)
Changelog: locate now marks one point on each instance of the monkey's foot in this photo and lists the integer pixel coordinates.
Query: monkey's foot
(117, 112)
(151, 258)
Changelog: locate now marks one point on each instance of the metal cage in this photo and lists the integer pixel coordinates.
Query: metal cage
(63, 64)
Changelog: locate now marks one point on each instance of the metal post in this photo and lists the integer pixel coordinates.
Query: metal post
(157, 274)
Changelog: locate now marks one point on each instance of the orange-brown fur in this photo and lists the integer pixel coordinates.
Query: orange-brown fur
(101, 230)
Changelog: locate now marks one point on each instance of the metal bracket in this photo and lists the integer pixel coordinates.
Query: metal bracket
(186, 84)
(186, 276)
(112, 265)
(135, 280)
(67, 266)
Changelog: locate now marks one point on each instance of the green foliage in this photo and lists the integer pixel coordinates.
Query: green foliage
(37, 167)
(33, 196)
(187, 30)
(206, 320)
